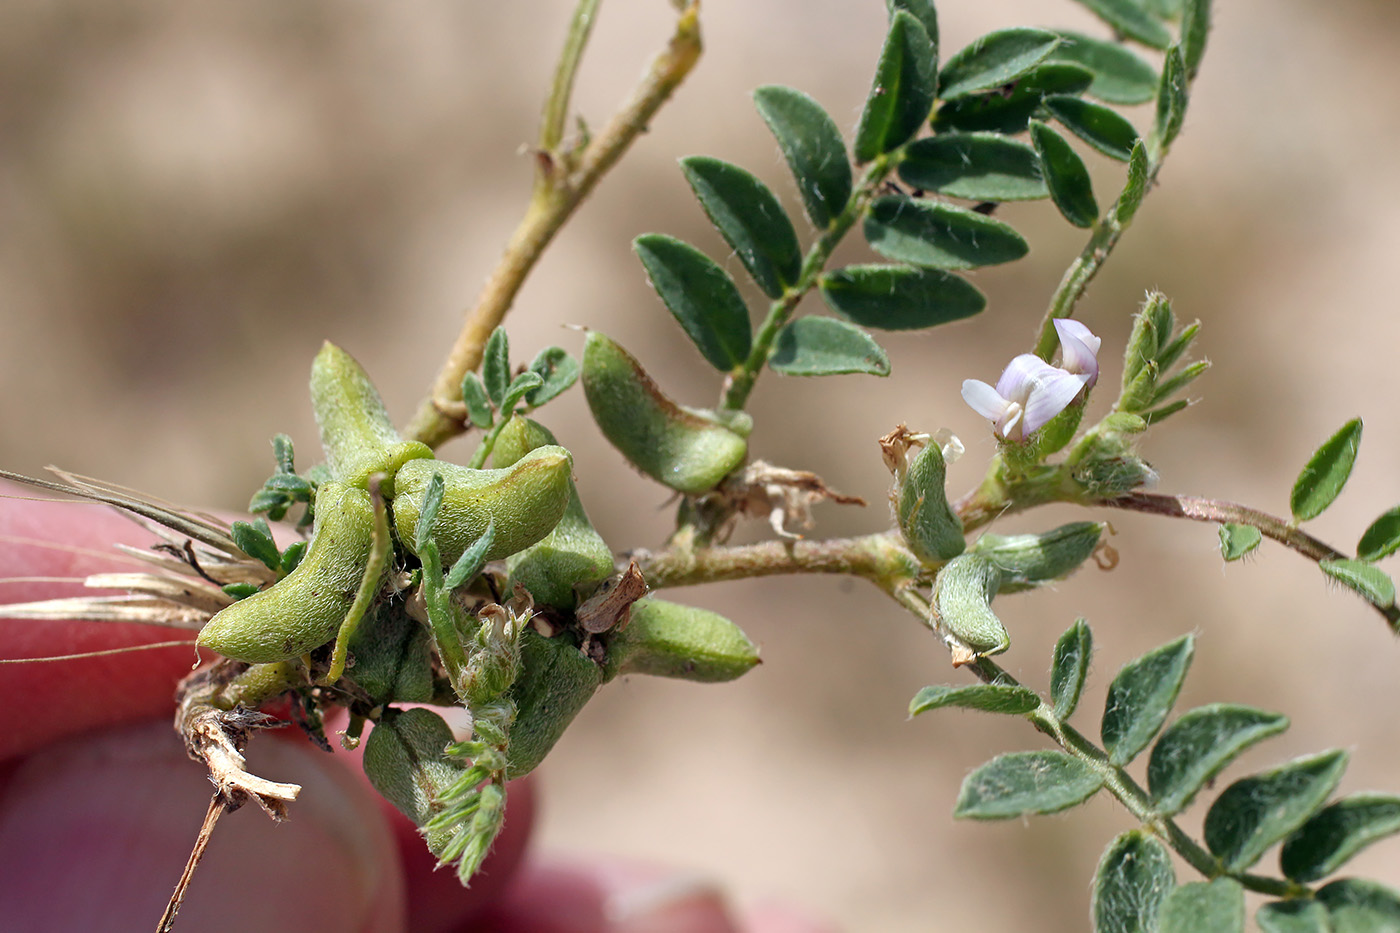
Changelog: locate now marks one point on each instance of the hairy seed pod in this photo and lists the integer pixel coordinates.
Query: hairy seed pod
(1027, 561)
(305, 609)
(962, 596)
(932, 529)
(393, 657)
(525, 501)
(356, 433)
(556, 680)
(686, 449)
(667, 639)
(404, 762)
(571, 558)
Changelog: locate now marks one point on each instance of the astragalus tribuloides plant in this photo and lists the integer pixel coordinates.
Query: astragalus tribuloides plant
(409, 582)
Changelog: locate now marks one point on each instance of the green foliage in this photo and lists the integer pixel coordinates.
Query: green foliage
(1009, 111)
(976, 166)
(823, 346)
(1119, 75)
(1199, 745)
(1355, 905)
(1375, 586)
(701, 296)
(995, 59)
(495, 366)
(558, 371)
(1066, 176)
(1133, 880)
(1255, 812)
(1204, 907)
(1141, 697)
(939, 236)
(1070, 668)
(1293, 917)
(1097, 125)
(930, 526)
(990, 698)
(1326, 472)
(1381, 538)
(1172, 95)
(903, 91)
(255, 540)
(812, 146)
(900, 297)
(477, 400)
(1129, 18)
(1336, 833)
(750, 219)
(1022, 783)
(1238, 540)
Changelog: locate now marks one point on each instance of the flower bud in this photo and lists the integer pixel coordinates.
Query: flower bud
(931, 528)
(667, 639)
(687, 449)
(525, 501)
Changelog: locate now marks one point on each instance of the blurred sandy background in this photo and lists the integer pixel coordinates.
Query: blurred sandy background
(193, 196)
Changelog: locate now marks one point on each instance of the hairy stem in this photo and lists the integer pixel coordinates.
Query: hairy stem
(741, 383)
(563, 180)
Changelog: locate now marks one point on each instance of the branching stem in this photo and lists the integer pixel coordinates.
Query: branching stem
(564, 178)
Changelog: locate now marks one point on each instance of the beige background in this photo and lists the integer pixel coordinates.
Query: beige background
(193, 196)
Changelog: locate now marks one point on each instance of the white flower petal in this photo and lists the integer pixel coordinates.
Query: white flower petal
(1079, 349)
(984, 400)
(1020, 377)
(1052, 395)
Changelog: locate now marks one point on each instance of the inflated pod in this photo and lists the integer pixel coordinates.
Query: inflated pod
(931, 528)
(573, 556)
(393, 657)
(667, 639)
(525, 501)
(356, 433)
(1026, 561)
(404, 761)
(556, 680)
(686, 449)
(962, 597)
(305, 609)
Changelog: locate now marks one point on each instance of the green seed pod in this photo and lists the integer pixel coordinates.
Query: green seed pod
(356, 432)
(305, 609)
(393, 657)
(670, 640)
(404, 761)
(930, 526)
(1027, 561)
(686, 449)
(525, 501)
(962, 596)
(573, 556)
(556, 680)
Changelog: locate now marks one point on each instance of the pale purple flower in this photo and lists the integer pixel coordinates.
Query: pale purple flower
(1079, 349)
(1029, 393)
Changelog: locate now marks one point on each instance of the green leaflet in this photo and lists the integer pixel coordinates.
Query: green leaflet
(750, 219)
(993, 60)
(1132, 881)
(1255, 812)
(1141, 696)
(902, 93)
(1022, 783)
(813, 148)
(939, 236)
(1326, 472)
(823, 346)
(701, 296)
(1199, 745)
(900, 297)
(975, 166)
